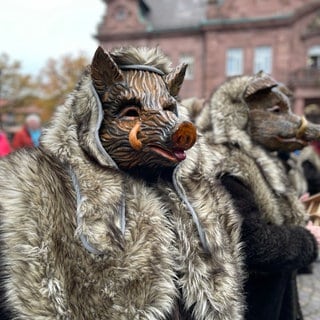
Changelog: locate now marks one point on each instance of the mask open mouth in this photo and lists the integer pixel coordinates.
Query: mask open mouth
(292, 140)
(176, 155)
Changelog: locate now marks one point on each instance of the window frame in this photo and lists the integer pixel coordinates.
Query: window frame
(234, 61)
(263, 59)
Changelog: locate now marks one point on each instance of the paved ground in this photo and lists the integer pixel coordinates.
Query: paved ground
(309, 292)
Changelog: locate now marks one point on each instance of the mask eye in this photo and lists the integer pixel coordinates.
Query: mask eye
(170, 106)
(129, 113)
(274, 109)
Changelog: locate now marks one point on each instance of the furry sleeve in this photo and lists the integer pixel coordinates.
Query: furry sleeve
(269, 247)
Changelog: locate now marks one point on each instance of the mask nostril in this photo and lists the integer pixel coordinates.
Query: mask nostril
(181, 140)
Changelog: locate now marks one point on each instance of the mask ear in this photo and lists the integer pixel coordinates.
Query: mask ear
(260, 84)
(175, 79)
(285, 90)
(104, 71)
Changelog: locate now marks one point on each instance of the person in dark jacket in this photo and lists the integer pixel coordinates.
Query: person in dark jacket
(247, 119)
(309, 158)
(273, 255)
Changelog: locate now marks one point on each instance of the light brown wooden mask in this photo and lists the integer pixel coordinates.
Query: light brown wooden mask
(141, 127)
(271, 121)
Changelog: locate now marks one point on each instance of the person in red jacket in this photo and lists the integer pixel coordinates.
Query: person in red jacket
(4, 144)
(29, 135)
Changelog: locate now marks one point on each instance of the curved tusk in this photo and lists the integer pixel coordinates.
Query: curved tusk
(135, 143)
(303, 127)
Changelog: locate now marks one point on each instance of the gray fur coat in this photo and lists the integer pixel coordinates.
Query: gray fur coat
(275, 242)
(84, 240)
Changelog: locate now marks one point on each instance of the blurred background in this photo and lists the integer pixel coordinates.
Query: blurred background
(46, 45)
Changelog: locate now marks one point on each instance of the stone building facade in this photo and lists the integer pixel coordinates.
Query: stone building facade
(223, 38)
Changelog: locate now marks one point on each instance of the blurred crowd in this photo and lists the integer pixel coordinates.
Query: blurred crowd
(27, 136)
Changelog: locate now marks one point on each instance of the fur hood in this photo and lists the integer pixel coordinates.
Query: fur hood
(308, 154)
(223, 121)
(297, 173)
(84, 240)
(73, 137)
(225, 117)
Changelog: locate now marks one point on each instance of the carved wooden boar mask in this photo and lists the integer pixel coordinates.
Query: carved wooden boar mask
(138, 94)
(271, 121)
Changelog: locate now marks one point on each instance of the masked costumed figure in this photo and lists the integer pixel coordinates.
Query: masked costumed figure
(114, 216)
(308, 160)
(247, 119)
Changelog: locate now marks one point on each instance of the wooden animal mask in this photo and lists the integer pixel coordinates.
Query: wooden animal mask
(271, 122)
(141, 127)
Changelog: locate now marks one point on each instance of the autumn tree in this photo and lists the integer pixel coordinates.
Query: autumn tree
(46, 90)
(58, 78)
(15, 87)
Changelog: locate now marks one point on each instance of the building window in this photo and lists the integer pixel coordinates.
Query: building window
(121, 13)
(263, 59)
(189, 60)
(234, 65)
(314, 57)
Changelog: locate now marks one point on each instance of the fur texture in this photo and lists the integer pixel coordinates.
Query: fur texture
(65, 254)
(275, 241)
(224, 124)
(307, 163)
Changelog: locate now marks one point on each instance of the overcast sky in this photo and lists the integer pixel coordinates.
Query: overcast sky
(32, 31)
